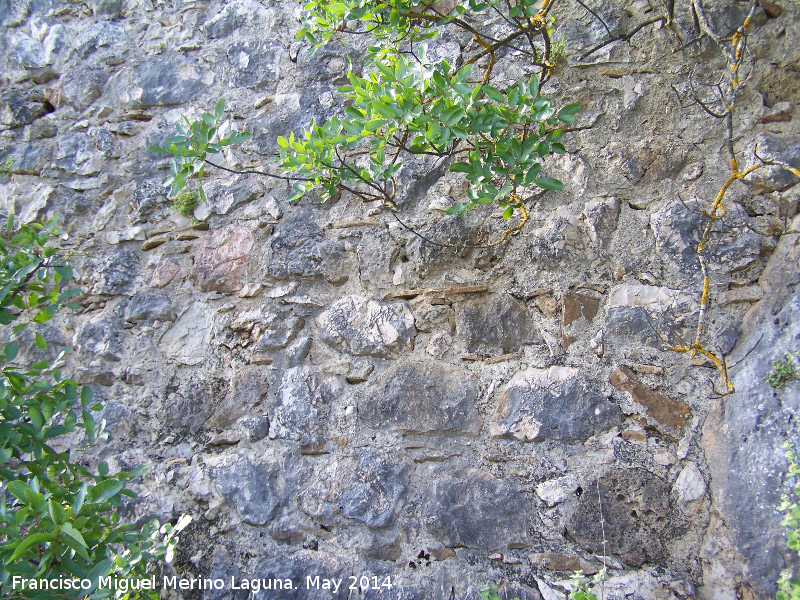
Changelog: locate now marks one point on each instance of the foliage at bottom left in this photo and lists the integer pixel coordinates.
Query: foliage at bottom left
(60, 528)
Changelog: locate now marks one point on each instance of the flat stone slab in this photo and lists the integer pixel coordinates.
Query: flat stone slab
(634, 505)
(670, 414)
(221, 260)
(499, 322)
(472, 509)
(421, 397)
(555, 404)
(362, 327)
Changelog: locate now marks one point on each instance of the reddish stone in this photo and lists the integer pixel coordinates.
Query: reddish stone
(164, 273)
(666, 411)
(221, 260)
(578, 305)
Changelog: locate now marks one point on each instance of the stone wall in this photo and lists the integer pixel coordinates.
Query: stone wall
(328, 394)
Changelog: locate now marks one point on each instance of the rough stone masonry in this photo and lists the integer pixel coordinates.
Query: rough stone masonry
(330, 396)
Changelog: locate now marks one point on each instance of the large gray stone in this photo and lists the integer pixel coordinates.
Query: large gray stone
(116, 273)
(148, 198)
(149, 306)
(187, 341)
(249, 386)
(253, 64)
(421, 397)
(296, 568)
(98, 35)
(158, 82)
(189, 403)
(252, 488)
(678, 227)
(744, 433)
(363, 327)
(20, 107)
(634, 505)
(300, 249)
(649, 315)
(499, 322)
(233, 16)
(86, 153)
(302, 406)
(470, 508)
(31, 159)
(26, 51)
(101, 337)
(778, 149)
(223, 567)
(379, 483)
(555, 404)
(78, 87)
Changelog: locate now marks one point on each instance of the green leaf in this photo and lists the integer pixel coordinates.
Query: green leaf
(458, 208)
(56, 512)
(219, 108)
(508, 212)
(494, 94)
(86, 396)
(105, 490)
(40, 342)
(383, 110)
(11, 350)
(549, 183)
(461, 167)
(29, 541)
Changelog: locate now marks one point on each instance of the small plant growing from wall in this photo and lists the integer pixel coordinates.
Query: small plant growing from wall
(186, 202)
(783, 371)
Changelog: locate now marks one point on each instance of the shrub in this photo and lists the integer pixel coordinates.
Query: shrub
(789, 587)
(58, 518)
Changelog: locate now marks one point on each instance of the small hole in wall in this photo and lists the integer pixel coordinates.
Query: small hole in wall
(412, 564)
(579, 492)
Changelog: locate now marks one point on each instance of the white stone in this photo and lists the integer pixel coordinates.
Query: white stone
(188, 339)
(690, 485)
(554, 491)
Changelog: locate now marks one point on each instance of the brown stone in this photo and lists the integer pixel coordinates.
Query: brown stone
(441, 553)
(577, 305)
(312, 449)
(666, 411)
(470, 289)
(648, 369)
(388, 552)
(773, 10)
(558, 562)
(547, 305)
(154, 242)
(221, 259)
(164, 273)
(634, 435)
(751, 293)
(776, 118)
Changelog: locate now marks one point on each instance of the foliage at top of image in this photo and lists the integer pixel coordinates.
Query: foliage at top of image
(408, 105)
(783, 371)
(58, 518)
